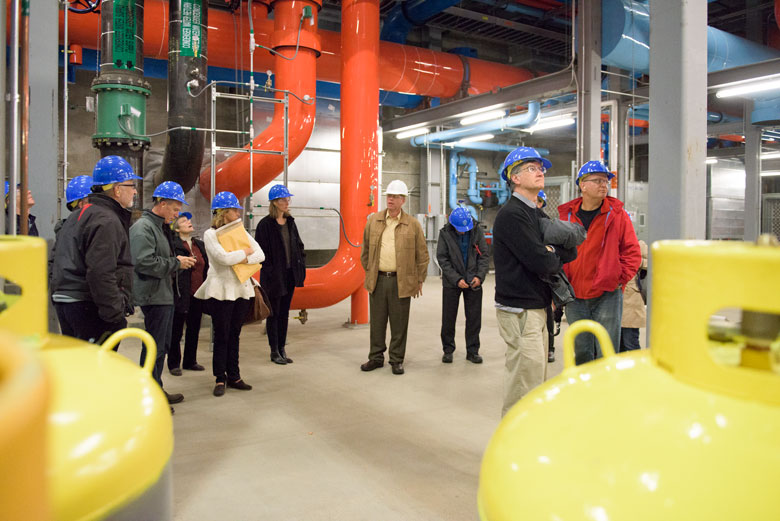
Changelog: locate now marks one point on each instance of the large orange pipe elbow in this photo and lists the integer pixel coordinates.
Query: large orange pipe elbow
(296, 76)
(403, 68)
(359, 162)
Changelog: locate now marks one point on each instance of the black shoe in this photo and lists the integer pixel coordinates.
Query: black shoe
(550, 356)
(172, 411)
(219, 389)
(283, 354)
(474, 357)
(174, 398)
(277, 358)
(446, 358)
(398, 368)
(240, 385)
(371, 365)
(195, 367)
(176, 371)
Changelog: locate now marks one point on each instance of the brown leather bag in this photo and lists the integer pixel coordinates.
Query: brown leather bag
(260, 309)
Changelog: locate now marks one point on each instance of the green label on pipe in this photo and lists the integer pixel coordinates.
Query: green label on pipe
(124, 34)
(191, 12)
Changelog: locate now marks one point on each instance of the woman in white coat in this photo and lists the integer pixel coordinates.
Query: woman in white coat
(227, 299)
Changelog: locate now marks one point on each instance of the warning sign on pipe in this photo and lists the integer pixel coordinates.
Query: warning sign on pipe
(191, 12)
(124, 34)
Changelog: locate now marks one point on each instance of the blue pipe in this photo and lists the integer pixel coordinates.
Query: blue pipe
(405, 15)
(473, 191)
(625, 37)
(519, 120)
(455, 160)
(486, 146)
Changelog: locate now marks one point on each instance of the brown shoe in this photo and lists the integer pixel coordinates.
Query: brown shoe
(398, 368)
(219, 389)
(371, 365)
(240, 385)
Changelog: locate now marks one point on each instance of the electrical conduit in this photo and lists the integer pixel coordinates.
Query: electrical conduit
(343, 275)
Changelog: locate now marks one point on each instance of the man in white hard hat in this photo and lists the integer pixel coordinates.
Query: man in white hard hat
(395, 258)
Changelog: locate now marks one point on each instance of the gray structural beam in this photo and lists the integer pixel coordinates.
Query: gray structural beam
(44, 30)
(589, 80)
(752, 178)
(678, 120)
(623, 161)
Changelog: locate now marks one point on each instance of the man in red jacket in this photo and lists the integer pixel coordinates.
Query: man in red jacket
(606, 261)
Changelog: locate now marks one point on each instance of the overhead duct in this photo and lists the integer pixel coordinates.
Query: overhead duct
(406, 15)
(295, 73)
(402, 68)
(187, 62)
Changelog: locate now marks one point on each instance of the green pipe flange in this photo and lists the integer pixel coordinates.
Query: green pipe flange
(120, 87)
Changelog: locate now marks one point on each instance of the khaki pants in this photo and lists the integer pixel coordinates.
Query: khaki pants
(526, 352)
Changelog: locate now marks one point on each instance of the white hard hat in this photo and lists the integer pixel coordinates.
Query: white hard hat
(397, 187)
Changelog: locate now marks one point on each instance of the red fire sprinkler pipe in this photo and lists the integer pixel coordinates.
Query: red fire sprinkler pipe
(298, 76)
(344, 275)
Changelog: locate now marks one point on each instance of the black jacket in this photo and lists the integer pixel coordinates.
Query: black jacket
(92, 260)
(183, 291)
(450, 258)
(521, 258)
(273, 274)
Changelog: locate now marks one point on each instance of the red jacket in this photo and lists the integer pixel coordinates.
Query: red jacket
(609, 257)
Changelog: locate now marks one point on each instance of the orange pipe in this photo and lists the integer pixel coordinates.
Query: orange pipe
(403, 68)
(343, 275)
(296, 76)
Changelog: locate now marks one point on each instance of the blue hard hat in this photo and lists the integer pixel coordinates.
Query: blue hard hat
(7, 186)
(543, 197)
(461, 220)
(170, 190)
(278, 192)
(78, 188)
(112, 169)
(593, 167)
(521, 155)
(188, 215)
(225, 200)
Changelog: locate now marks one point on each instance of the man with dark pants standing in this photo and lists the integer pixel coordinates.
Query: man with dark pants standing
(462, 256)
(151, 242)
(92, 272)
(395, 258)
(606, 261)
(522, 260)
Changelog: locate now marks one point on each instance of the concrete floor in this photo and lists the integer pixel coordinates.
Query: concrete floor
(320, 440)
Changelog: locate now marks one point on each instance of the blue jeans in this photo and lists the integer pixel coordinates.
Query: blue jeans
(629, 339)
(607, 310)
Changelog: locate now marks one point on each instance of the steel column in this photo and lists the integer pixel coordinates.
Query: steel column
(589, 81)
(752, 178)
(623, 161)
(678, 120)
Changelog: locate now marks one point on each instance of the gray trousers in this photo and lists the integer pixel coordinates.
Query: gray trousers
(385, 305)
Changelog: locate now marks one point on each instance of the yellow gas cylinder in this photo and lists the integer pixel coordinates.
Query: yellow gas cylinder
(687, 430)
(103, 448)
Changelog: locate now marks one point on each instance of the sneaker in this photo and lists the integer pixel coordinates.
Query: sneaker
(550, 356)
(446, 358)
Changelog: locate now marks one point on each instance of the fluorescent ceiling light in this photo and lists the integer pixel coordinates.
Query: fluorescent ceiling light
(412, 133)
(554, 122)
(749, 88)
(484, 116)
(771, 155)
(770, 173)
(408, 127)
(470, 139)
(477, 111)
(711, 161)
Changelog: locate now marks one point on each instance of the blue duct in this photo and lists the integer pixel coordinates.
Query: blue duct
(526, 119)
(455, 160)
(486, 146)
(473, 191)
(524, 10)
(405, 15)
(625, 39)
(159, 69)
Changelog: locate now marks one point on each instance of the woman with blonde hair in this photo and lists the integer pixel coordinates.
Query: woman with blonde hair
(228, 298)
(284, 268)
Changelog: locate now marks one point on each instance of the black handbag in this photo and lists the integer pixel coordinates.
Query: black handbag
(641, 285)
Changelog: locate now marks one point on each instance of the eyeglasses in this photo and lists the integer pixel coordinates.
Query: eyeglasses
(604, 182)
(130, 185)
(534, 169)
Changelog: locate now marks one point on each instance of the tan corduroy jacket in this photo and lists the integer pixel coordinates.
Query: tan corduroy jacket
(411, 253)
(634, 311)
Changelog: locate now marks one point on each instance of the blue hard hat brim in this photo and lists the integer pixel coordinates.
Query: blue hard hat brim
(462, 229)
(188, 215)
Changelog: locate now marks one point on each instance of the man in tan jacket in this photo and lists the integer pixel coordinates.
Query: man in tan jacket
(395, 258)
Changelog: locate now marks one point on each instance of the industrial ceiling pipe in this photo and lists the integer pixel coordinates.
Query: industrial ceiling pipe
(294, 75)
(343, 275)
(187, 62)
(402, 68)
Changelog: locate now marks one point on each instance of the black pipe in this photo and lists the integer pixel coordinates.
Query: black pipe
(187, 62)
